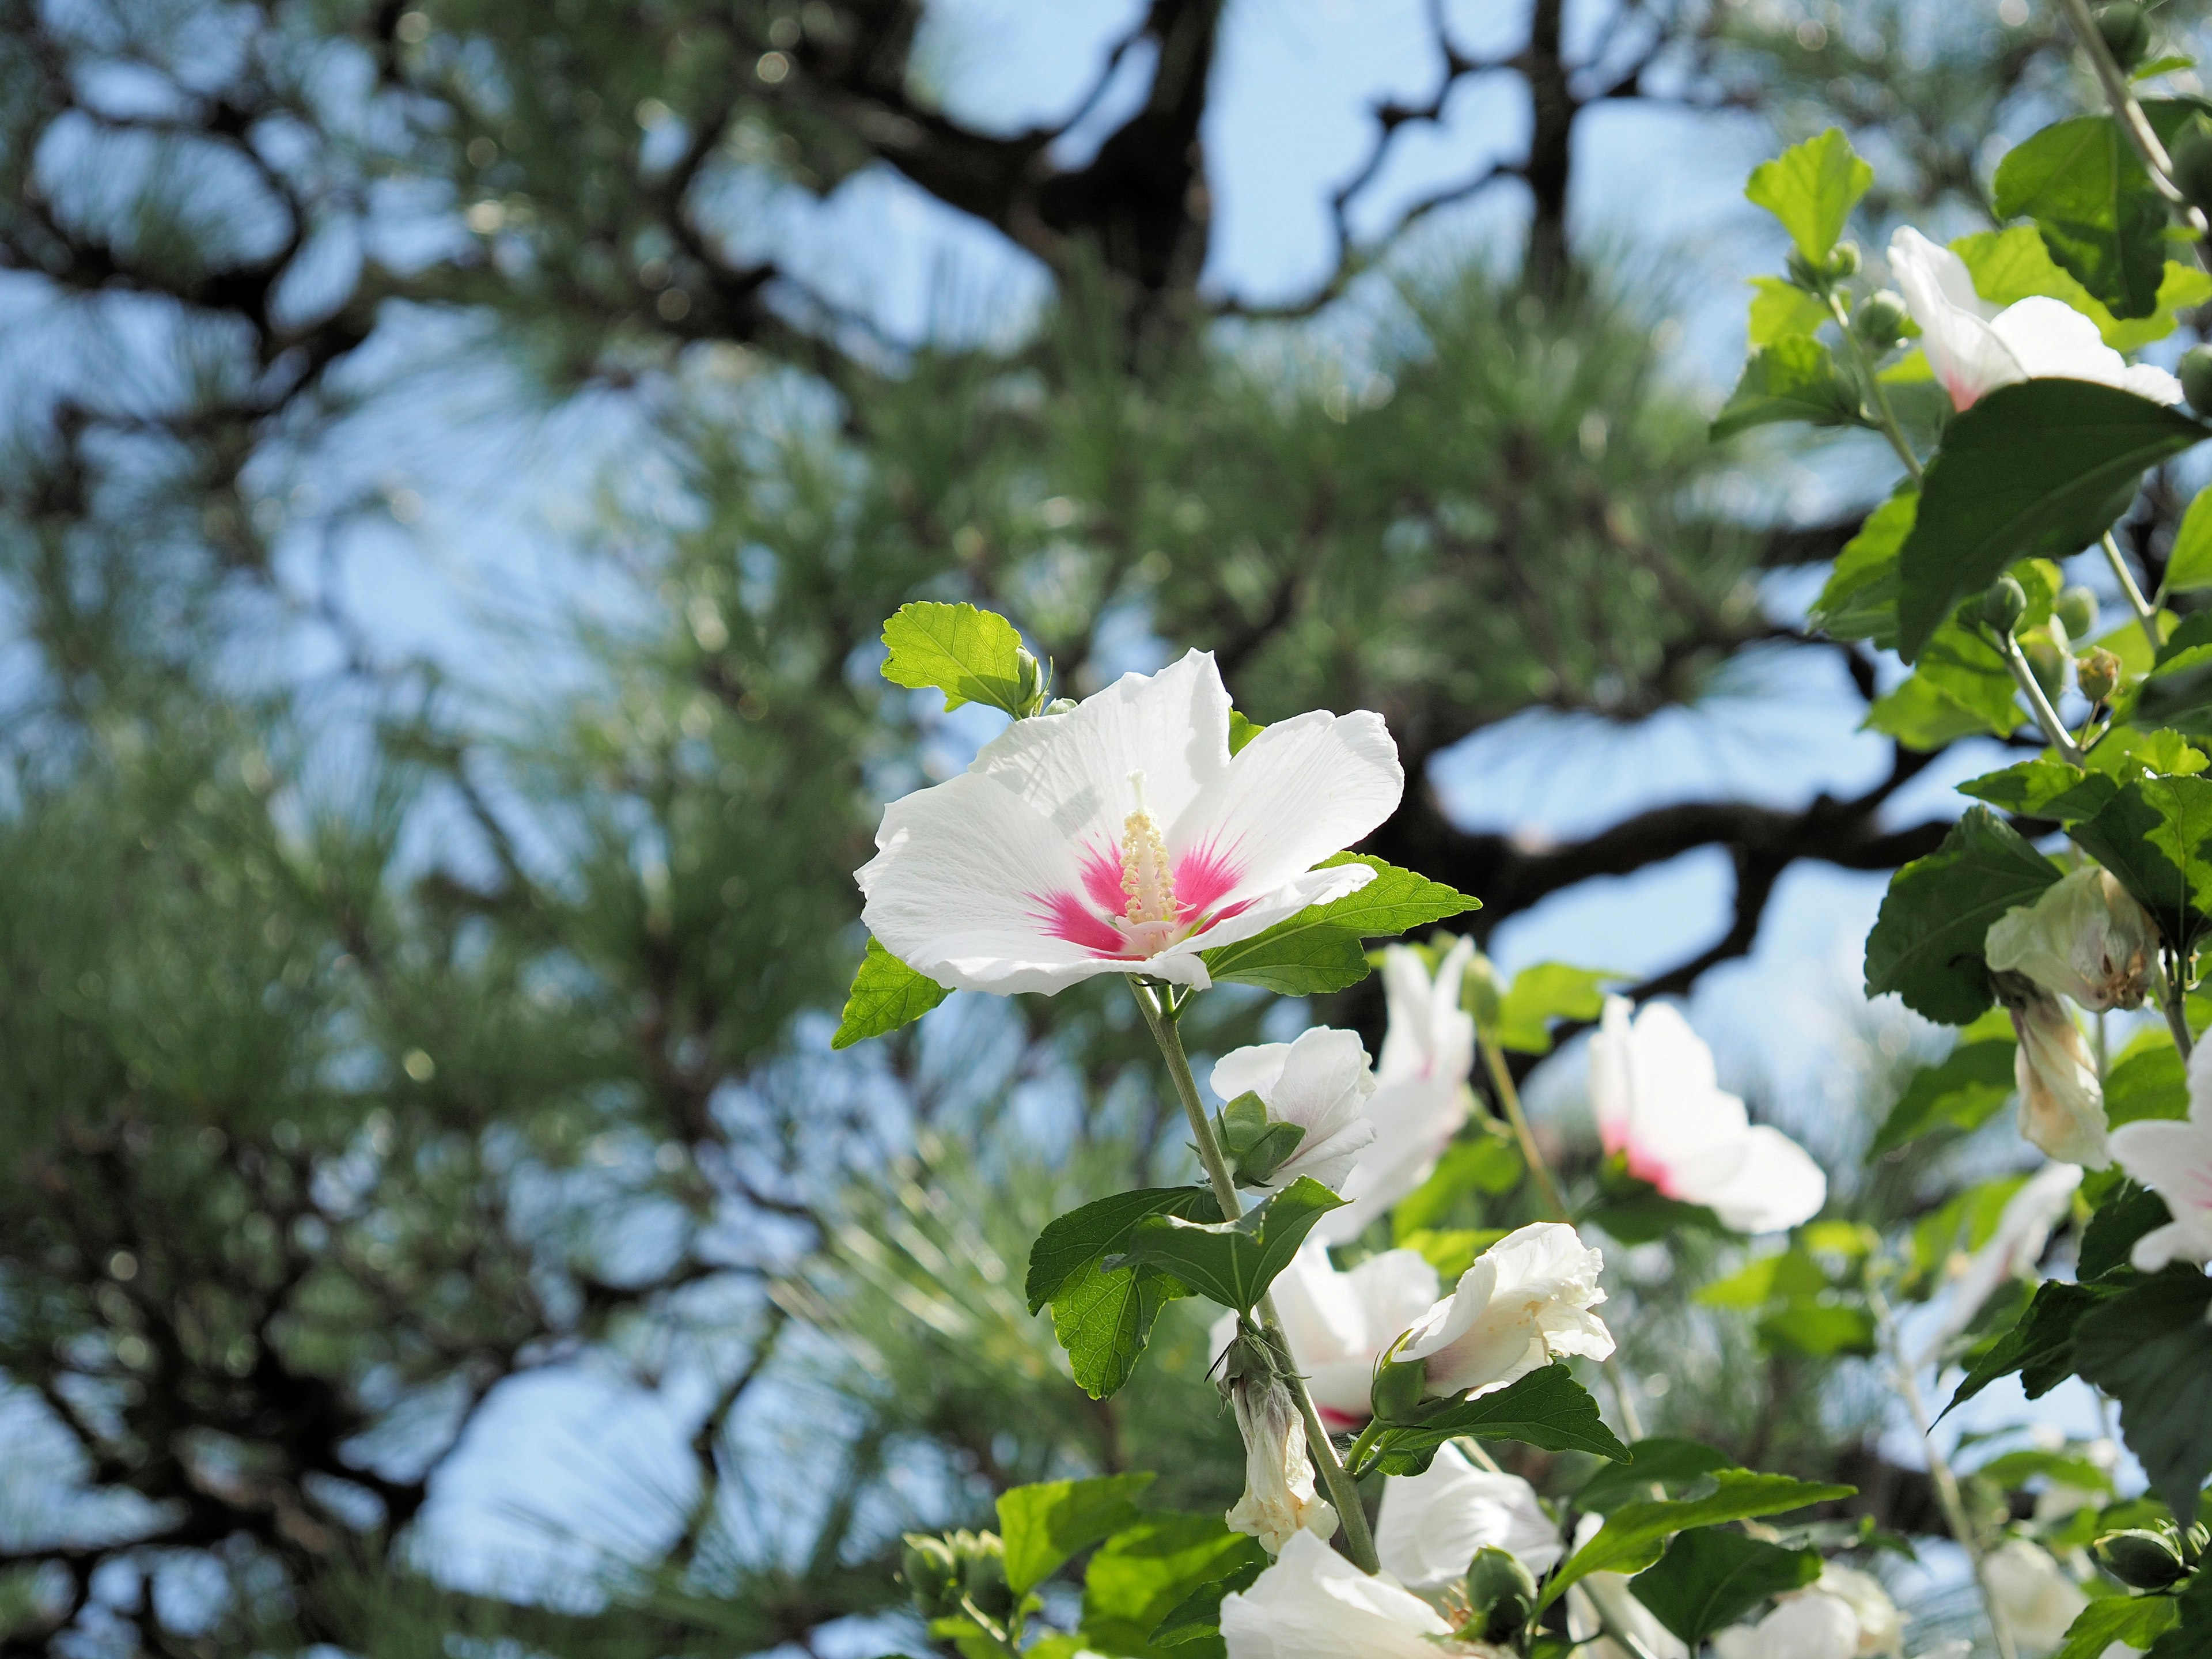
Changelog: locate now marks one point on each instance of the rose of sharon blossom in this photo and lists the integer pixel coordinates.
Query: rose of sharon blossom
(1974, 347)
(2085, 937)
(1432, 1523)
(1321, 1083)
(2174, 1160)
(1313, 1604)
(2033, 1595)
(1525, 1302)
(1338, 1324)
(1122, 837)
(1844, 1615)
(1420, 1097)
(1279, 1476)
(2062, 1104)
(1657, 1100)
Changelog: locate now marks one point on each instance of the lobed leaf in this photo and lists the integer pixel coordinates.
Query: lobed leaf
(1072, 1242)
(1546, 1409)
(2132, 1621)
(1795, 379)
(1927, 941)
(1042, 1525)
(1635, 1535)
(1712, 1575)
(886, 994)
(2094, 204)
(2152, 836)
(969, 654)
(1544, 992)
(1812, 188)
(1859, 601)
(1233, 1262)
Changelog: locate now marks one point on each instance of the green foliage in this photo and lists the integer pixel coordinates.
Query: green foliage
(2147, 1082)
(2083, 183)
(2133, 1621)
(1320, 948)
(1859, 601)
(1103, 1315)
(1927, 941)
(2036, 469)
(1812, 188)
(1233, 1262)
(2013, 265)
(971, 655)
(1962, 1091)
(2151, 835)
(1544, 992)
(1242, 732)
(2189, 566)
(1658, 1461)
(1634, 1536)
(1546, 1409)
(1712, 1575)
(1487, 1164)
(1782, 310)
(1145, 1574)
(886, 994)
(1042, 1526)
(1959, 688)
(1795, 378)
(2039, 1347)
(2149, 1347)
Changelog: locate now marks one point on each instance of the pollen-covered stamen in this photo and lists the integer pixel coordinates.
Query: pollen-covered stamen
(1149, 913)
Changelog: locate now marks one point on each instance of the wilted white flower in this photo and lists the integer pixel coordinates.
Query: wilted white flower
(1432, 1523)
(1278, 1496)
(2174, 1160)
(1313, 1604)
(2062, 1104)
(1321, 1083)
(2033, 1594)
(1658, 1103)
(1421, 1099)
(1122, 837)
(1525, 1302)
(2085, 937)
(1974, 347)
(1338, 1324)
(2023, 1229)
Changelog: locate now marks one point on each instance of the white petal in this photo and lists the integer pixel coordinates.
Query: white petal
(2148, 380)
(1429, 1034)
(2174, 1160)
(1255, 1069)
(1414, 1122)
(2200, 1084)
(1337, 1324)
(1432, 1523)
(1313, 1604)
(1962, 349)
(1778, 1185)
(1301, 791)
(1681, 1132)
(1313, 887)
(2051, 340)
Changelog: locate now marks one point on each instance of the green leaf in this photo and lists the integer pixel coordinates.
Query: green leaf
(1198, 1613)
(2045, 787)
(1818, 1328)
(1044, 1525)
(1144, 1573)
(1793, 380)
(1103, 1316)
(1451, 1251)
(1233, 1262)
(1546, 1409)
(2192, 1638)
(1860, 599)
(1961, 689)
(1712, 1575)
(2133, 1621)
(1660, 1460)
(1489, 1163)
(2126, 1213)
(2151, 835)
(1780, 310)
(1927, 941)
(2188, 567)
(2100, 218)
(2150, 1348)
(1072, 1242)
(2177, 691)
(2036, 469)
(2013, 265)
(1812, 188)
(1635, 1535)
(1792, 1273)
(1963, 1091)
(1319, 949)
(2040, 1346)
(886, 994)
(2151, 1082)
(1544, 992)
(1242, 730)
(971, 655)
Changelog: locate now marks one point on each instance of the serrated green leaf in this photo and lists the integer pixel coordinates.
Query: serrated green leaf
(2188, 567)
(2036, 469)
(1795, 379)
(2135, 1621)
(2013, 265)
(1961, 689)
(1042, 1525)
(2039, 1346)
(1233, 1262)
(1635, 1535)
(1547, 991)
(969, 654)
(2150, 1348)
(886, 994)
(2045, 787)
(1927, 942)
(1712, 1575)
(1319, 949)
(1143, 1573)
(1100, 1229)
(1859, 601)
(1103, 1317)
(1546, 1409)
(1660, 1460)
(2151, 835)
(1963, 1091)
(2093, 204)
(1812, 188)
(1781, 309)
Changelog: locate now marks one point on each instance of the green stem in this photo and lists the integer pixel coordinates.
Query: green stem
(2173, 1002)
(1939, 1469)
(2145, 613)
(1000, 1638)
(2054, 729)
(1892, 428)
(1501, 1078)
(1343, 1490)
(1355, 1458)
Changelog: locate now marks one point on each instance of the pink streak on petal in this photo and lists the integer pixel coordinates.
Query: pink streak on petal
(1334, 1418)
(1645, 1167)
(1102, 879)
(1065, 916)
(1202, 876)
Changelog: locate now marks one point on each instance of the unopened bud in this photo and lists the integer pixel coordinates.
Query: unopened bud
(2140, 1558)
(2126, 32)
(1060, 706)
(1398, 1388)
(1501, 1595)
(1843, 261)
(984, 1577)
(931, 1575)
(2197, 361)
(1031, 679)
(2047, 660)
(2003, 605)
(1879, 320)
(1805, 273)
(2076, 607)
(2191, 154)
(1482, 993)
(2097, 672)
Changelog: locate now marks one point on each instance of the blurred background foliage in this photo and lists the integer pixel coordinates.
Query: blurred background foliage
(370, 1041)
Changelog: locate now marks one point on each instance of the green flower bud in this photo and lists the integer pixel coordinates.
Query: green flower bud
(2191, 154)
(1501, 1595)
(2197, 361)
(1482, 993)
(1032, 680)
(931, 1574)
(2097, 672)
(2140, 1558)
(2076, 607)
(2047, 660)
(2003, 605)
(984, 1577)
(1843, 261)
(1805, 273)
(1060, 706)
(1399, 1387)
(1879, 320)
(2126, 32)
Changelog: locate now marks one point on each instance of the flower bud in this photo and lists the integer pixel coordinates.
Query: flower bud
(1060, 706)
(1257, 1146)
(2003, 605)
(1805, 273)
(2076, 607)
(931, 1575)
(1880, 320)
(2191, 154)
(1501, 1595)
(1031, 681)
(1279, 1499)
(1399, 1388)
(2126, 32)
(2139, 1558)
(2196, 371)
(1482, 993)
(984, 1577)
(2047, 660)
(2097, 672)
(1843, 261)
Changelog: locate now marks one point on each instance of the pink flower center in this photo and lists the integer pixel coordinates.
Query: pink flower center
(1142, 898)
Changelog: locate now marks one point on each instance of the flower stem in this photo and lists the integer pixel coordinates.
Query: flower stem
(2145, 614)
(1343, 1490)
(2054, 729)
(2173, 1001)
(1891, 428)
(1939, 1469)
(2120, 96)
(1501, 1078)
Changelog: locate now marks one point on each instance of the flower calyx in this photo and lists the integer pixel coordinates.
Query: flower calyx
(1496, 1600)
(942, 1572)
(1257, 1144)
